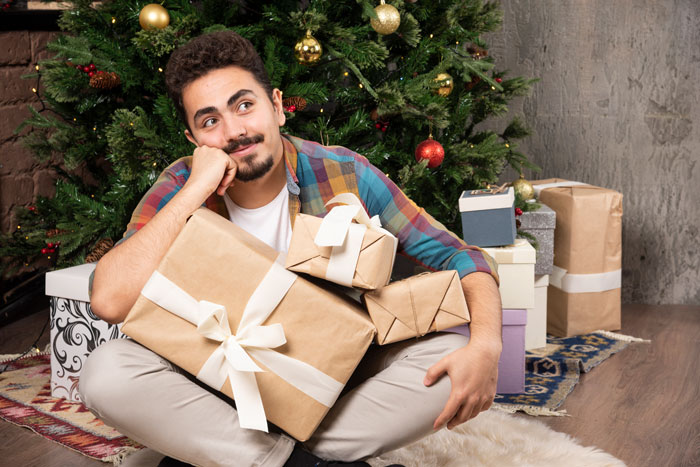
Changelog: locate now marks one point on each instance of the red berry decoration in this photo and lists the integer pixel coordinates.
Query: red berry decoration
(499, 80)
(518, 212)
(44, 251)
(92, 67)
(432, 151)
(49, 245)
(91, 74)
(32, 208)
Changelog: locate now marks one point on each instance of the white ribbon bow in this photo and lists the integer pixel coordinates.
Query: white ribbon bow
(232, 358)
(345, 236)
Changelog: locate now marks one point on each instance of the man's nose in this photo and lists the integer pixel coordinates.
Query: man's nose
(233, 128)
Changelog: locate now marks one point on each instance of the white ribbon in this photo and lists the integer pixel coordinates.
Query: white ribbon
(345, 236)
(232, 358)
(544, 186)
(585, 283)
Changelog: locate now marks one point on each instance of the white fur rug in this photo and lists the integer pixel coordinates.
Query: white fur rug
(500, 440)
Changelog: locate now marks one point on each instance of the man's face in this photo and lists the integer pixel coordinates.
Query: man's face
(228, 109)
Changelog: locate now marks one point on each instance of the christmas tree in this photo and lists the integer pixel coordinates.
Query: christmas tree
(404, 83)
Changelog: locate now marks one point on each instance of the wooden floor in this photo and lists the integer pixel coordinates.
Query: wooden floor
(641, 405)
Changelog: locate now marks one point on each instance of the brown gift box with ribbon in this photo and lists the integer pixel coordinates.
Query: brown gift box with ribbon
(584, 288)
(294, 343)
(345, 247)
(413, 307)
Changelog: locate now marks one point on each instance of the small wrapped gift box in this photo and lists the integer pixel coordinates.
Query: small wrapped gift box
(413, 307)
(346, 247)
(536, 329)
(516, 269)
(511, 366)
(488, 217)
(221, 306)
(75, 330)
(584, 288)
(541, 225)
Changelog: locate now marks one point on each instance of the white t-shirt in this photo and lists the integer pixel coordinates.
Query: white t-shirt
(269, 223)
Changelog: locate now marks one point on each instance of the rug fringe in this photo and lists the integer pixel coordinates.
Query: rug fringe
(621, 337)
(118, 458)
(530, 410)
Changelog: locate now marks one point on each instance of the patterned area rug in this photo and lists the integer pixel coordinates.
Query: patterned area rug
(25, 394)
(552, 372)
(25, 400)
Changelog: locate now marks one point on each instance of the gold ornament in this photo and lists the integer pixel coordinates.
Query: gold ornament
(154, 16)
(446, 84)
(308, 50)
(388, 19)
(524, 188)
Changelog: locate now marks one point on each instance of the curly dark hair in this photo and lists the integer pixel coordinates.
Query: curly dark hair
(210, 52)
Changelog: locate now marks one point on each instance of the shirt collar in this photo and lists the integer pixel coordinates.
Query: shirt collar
(290, 160)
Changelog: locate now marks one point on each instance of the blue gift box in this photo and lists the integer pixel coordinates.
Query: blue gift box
(488, 217)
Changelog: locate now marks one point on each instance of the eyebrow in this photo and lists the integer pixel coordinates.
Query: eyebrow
(230, 102)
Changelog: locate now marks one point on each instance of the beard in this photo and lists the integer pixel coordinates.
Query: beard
(249, 168)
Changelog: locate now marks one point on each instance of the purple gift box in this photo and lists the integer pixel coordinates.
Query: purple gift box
(511, 366)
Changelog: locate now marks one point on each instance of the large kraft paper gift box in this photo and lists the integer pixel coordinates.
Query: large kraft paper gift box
(345, 247)
(584, 288)
(416, 306)
(223, 283)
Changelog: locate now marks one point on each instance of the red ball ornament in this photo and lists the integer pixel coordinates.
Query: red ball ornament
(432, 151)
(499, 80)
(44, 251)
(92, 67)
(518, 212)
(91, 74)
(49, 245)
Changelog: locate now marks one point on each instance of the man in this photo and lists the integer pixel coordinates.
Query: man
(244, 169)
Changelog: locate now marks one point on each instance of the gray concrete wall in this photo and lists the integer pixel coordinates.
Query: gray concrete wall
(618, 106)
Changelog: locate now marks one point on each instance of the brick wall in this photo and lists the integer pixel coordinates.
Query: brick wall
(22, 177)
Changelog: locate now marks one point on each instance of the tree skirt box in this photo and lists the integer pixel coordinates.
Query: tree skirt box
(584, 288)
(541, 225)
(511, 366)
(75, 330)
(488, 217)
(516, 269)
(536, 329)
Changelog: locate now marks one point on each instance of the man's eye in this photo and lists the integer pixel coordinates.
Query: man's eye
(209, 122)
(245, 106)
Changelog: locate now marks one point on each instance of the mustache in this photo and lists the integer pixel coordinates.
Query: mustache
(245, 141)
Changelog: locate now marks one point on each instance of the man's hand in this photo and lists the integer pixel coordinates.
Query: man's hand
(473, 371)
(212, 170)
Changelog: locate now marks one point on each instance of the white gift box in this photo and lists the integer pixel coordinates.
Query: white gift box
(516, 269)
(75, 330)
(536, 329)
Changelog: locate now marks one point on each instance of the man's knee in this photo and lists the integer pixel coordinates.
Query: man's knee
(102, 373)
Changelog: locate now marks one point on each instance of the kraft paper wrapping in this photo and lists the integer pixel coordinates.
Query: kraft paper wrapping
(214, 260)
(374, 264)
(413, 307)
(587, 241)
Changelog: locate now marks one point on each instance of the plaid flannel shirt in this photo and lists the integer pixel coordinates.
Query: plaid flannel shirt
(317, 173)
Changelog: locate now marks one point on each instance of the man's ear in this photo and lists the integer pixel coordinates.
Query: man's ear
(277, 104)
(190, 138)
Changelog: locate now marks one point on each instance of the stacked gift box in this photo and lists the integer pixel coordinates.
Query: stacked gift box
(584, 287)
(75, 330)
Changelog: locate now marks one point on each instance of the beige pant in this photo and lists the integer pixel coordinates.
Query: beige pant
(152, 401)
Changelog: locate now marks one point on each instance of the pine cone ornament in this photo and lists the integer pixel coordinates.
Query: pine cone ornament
(298, 102)
(54, 232)
(105, 80)
(100, 249)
